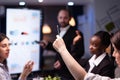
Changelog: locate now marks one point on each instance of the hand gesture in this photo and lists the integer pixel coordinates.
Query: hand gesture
(43, 43)
(59, 44)
(57, 65)
(77, 38)
(27, 70)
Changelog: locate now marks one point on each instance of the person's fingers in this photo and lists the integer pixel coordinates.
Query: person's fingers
(58, 36)
(77, 38)
(77, 32)
(32, 65)
(29, 64)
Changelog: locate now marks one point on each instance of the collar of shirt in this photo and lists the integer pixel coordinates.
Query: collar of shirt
(97, 61)
(64, 30)
(1, 65)
(4, 73)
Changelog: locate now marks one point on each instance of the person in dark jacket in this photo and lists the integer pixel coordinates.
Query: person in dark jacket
(68, 33)
(100, 62)
(76, 69)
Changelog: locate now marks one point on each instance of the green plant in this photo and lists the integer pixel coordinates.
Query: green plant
(52, 78)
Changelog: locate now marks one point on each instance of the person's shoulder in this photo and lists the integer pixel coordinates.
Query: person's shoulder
(73, 28)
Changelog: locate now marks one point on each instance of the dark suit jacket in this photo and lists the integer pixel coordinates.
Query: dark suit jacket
(105, 68)
(76, 51)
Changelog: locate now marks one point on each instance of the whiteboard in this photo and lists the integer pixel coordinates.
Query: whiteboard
(23, 29)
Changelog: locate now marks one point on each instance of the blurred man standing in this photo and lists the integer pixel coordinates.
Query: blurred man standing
(68, 33)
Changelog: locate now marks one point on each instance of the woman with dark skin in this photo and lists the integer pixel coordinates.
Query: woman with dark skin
(100, 62)
(76, 70)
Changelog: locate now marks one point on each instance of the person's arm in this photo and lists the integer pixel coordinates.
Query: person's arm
(77, 38)
(77, 49)
(46, 45)
(76, 70)
(27, 70)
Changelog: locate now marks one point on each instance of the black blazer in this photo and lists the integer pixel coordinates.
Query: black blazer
(76, 51)
(105, 68)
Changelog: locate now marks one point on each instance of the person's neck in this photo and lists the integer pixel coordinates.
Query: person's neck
(64, 26)
(97, 55)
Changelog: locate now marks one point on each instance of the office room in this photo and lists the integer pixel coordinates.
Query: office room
(31, 24)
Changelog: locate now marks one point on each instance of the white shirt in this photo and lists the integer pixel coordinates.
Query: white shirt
(92, 76)
(4, 74)
(63, 30)
(95, 61)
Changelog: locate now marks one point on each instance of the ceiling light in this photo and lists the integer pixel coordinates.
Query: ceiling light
(70, 3)
(21, 3)
(40, 0)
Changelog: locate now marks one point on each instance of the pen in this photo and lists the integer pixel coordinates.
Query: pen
(58, 30)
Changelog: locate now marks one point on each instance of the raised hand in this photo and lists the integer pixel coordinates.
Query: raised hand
(27, 70)
(59, 44)
(77, 38)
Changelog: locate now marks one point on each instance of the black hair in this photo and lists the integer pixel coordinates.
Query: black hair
(2, 37)
(67, 10)
(105, 37)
